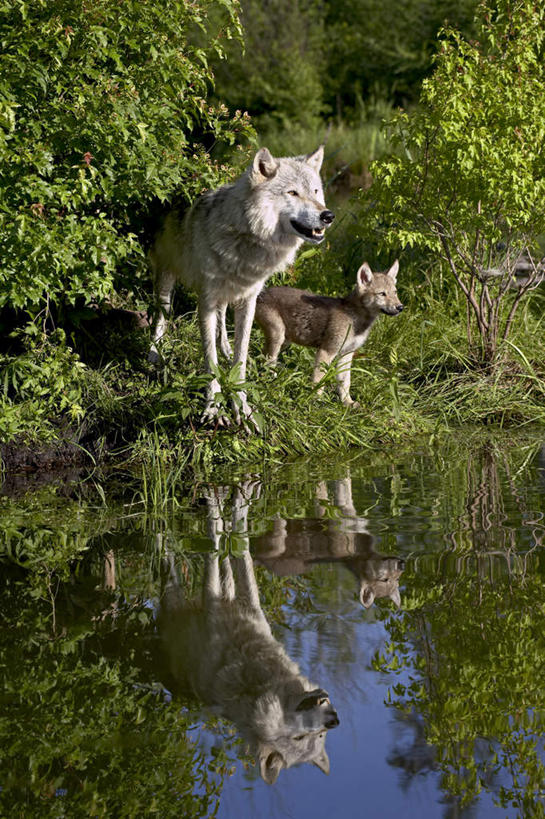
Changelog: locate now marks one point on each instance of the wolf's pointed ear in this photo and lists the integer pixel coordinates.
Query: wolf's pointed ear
(322, 762)
(393, 271)
(270, 766)
(264, 166)
(395, 597)
(315, 159)
(367, 596)
(364, 276)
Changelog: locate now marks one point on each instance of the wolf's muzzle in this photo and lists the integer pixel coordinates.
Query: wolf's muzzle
(393, 311)
(327, 216)
(314, 235)
(333, 721)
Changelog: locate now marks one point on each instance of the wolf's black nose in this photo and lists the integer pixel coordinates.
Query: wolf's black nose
(399, 308)
(333, 721)
(327, 216)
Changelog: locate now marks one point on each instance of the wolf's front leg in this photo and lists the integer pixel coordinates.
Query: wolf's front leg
(208, 321)
(343, 379)
(244, 316)
(163, 287)
(323, 357)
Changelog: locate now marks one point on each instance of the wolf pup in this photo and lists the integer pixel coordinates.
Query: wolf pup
(337, 327)
(295, 545)
(229, 243)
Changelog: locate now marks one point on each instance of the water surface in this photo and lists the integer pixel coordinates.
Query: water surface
(363, 638)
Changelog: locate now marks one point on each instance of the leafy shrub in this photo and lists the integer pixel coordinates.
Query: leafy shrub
(469, 185)
(103, 109)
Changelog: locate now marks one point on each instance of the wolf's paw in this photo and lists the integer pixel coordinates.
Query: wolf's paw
(244, 414)
(213, 415)
(226, 351)
(153, 356)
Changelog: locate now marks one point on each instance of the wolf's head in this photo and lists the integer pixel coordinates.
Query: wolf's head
(287, 199)
(376, 292)
(293, 731)
(379, 578)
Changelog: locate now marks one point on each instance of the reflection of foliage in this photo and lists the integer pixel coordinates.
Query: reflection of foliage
(470, 645)
(475, 651)
(87, 735)
(472, 636)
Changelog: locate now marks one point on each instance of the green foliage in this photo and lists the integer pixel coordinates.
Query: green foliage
(42, 386)
(384, 49)
(103, 110)
(278, 78)
(88, 735)
(470, 182)
(306, 59)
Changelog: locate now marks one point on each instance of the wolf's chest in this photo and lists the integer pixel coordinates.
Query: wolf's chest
(354, 337)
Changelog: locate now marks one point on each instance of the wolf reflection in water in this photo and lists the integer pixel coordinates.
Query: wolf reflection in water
(223, 651)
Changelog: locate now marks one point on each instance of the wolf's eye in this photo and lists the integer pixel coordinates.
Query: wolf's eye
(293, 193)
(383, 293)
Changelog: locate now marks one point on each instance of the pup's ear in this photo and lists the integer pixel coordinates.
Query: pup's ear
(364, 276)
(392, 273)
(367, 595)
(315, 159)
(395, 597)
(264, 166)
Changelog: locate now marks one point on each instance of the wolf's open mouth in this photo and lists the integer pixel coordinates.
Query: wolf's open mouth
(314, 234)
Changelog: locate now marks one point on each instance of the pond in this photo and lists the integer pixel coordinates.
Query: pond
(360, 637)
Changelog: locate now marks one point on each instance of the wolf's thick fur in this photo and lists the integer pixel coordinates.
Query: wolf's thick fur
(295, 546)
(337, 327)
(223, 651)
(230, 242)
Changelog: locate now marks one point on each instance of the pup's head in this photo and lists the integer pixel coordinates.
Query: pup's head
(380, 578)
(377, 291)
(287, 199)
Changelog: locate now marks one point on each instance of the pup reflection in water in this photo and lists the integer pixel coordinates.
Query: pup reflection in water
(224, 652)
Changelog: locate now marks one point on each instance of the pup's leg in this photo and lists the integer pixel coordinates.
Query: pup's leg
(163, 287)
(343, 379)
(244, 316)
(221, 331)
(322, 357)
(275, 335)
(273, 328)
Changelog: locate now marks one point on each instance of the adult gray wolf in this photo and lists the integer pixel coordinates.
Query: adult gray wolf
(337, 327)
(222, 650)
(229, 243)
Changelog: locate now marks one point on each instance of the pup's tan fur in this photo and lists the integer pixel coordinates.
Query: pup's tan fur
(294, 546)
(336, 327)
